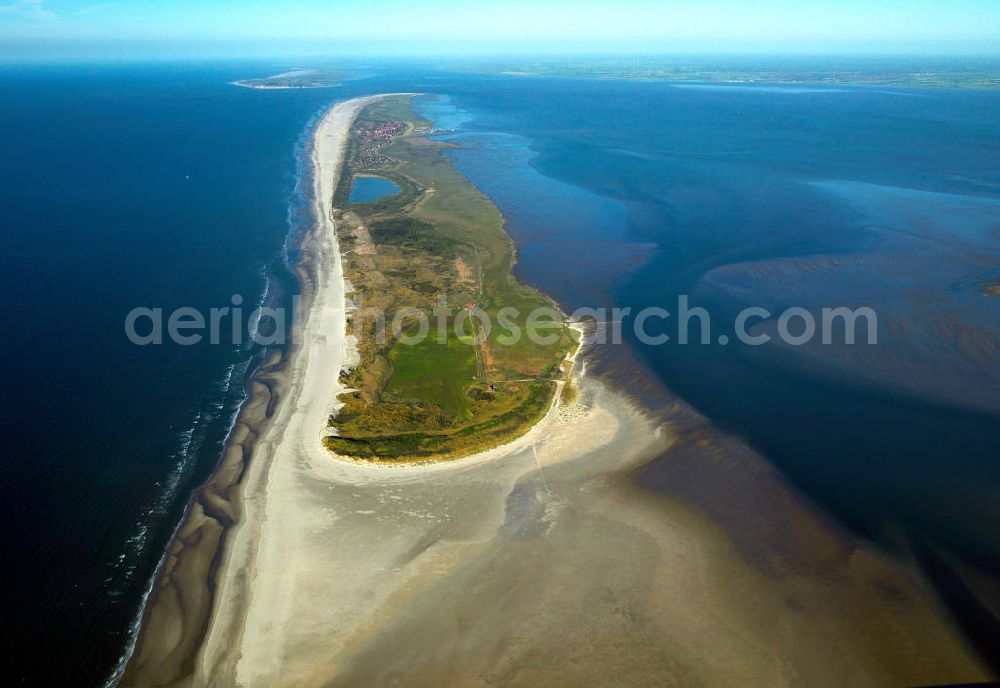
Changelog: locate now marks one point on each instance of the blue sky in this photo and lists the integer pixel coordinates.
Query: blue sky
(443, 26)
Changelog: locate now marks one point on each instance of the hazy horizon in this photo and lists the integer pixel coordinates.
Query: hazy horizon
(82, 29)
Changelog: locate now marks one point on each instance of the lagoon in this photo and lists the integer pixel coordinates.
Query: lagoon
(368, 189)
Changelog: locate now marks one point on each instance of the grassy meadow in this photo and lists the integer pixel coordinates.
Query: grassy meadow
(441, 243)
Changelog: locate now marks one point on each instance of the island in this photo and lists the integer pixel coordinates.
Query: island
(529, 558)
(296, 78)
(492, 353)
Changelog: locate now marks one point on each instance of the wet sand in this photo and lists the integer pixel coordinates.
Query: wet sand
(539, 563)
(199, 563)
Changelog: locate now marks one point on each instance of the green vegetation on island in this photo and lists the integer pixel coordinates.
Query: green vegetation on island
(439, 247)
(298, 78)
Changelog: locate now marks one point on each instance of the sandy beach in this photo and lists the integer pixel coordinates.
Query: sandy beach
(539, 563)
(291, 393)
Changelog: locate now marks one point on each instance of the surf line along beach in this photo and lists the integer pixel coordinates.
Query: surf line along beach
(179, 608)
(295, 568)
(218, 568)
(220, 550)
(219, 562)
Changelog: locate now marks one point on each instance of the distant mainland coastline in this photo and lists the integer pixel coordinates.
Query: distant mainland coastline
(888, 71)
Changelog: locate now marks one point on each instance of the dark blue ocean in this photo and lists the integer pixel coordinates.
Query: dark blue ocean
(122, 187)
(164, 186)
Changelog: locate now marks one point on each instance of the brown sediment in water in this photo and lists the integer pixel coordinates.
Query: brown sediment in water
(178, 610)
(609, 545)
